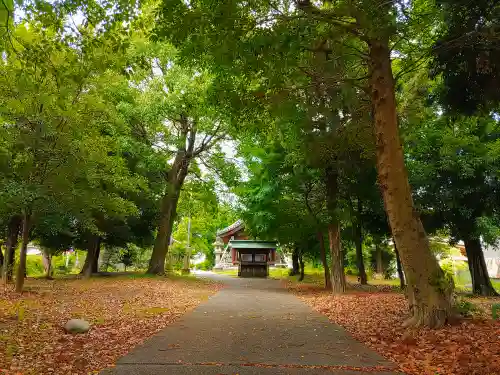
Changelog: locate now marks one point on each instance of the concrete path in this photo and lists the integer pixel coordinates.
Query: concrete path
(253, 326)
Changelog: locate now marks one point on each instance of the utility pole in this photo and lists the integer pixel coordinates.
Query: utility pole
(187, 255)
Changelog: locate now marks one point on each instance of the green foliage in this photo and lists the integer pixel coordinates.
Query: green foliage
(495, 311)
(34, 266)
(351, 270)
(465, 308)
(6, 19)
(467, 56)
(452, 163)
(206, 265)
(93, 116)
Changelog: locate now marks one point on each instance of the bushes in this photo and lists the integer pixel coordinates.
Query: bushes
(34, 265)
(206, 265)
(465, 308)
(351, 270)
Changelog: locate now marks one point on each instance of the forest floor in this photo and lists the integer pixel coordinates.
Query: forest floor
(374, 314)
(123, 312)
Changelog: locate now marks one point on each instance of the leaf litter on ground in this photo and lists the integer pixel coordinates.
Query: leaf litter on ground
(122, 311)
(471, 347)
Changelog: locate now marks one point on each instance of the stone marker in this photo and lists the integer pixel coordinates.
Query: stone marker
(77, 326)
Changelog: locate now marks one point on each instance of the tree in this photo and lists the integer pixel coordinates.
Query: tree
(53, 234)
(11, 240)
(57, 131)
(466, 56)
(285, 201)
(453, 163)
(198, 218)
(189, 125)
(366, 30)
(127, 257)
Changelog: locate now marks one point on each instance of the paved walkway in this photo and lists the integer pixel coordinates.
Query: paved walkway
(253, 326)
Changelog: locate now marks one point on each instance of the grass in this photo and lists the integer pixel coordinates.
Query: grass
(496, 284)
(312, 275)
(315, 276)
(229, 272)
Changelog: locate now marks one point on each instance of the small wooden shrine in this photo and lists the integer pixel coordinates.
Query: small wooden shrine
(252, 257)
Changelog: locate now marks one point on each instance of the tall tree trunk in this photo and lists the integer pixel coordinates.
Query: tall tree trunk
(338, 275)
(379, 266)
(92, 259)
(402, 282)
(481, 283)
(295, 262)
(21, 269)
(2, 261)
(301, 266)
(322, 251)
(162, 242)
(358, 238)
(47, 263)
(360, 263)
(168, 212)
(430, 292)
(10, 248)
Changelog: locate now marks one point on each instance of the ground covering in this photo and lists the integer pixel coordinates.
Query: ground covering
(123, 312)
(373, 315)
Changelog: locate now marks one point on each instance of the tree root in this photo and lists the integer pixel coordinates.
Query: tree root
(434, 319)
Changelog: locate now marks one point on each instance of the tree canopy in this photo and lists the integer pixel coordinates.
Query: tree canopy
(335, 128)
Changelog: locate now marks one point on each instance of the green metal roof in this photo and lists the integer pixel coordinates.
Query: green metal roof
(252, 244)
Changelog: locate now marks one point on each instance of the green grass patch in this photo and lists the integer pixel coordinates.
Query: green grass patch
(496, 284)
(153, 311)
(229, 272)
(315, 276)
(279, 273)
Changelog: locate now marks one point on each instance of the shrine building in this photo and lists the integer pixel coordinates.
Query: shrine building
(234, 248)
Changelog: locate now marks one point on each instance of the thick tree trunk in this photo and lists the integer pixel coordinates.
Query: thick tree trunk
(10, 248)
(430, 292)
(379, 266)
(358, 238)
(295, 262)
(47, 263)
(21, 269)
(402, 282)
(338, 275)
(162, 242)
(481, 283)
(322, 251)
(168, 212)
(91, 264)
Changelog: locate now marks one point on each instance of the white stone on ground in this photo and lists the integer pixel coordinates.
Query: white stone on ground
(77, 326)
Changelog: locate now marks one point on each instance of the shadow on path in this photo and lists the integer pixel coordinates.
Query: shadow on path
(253, 326)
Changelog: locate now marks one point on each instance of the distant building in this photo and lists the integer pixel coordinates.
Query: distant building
(234, 248)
